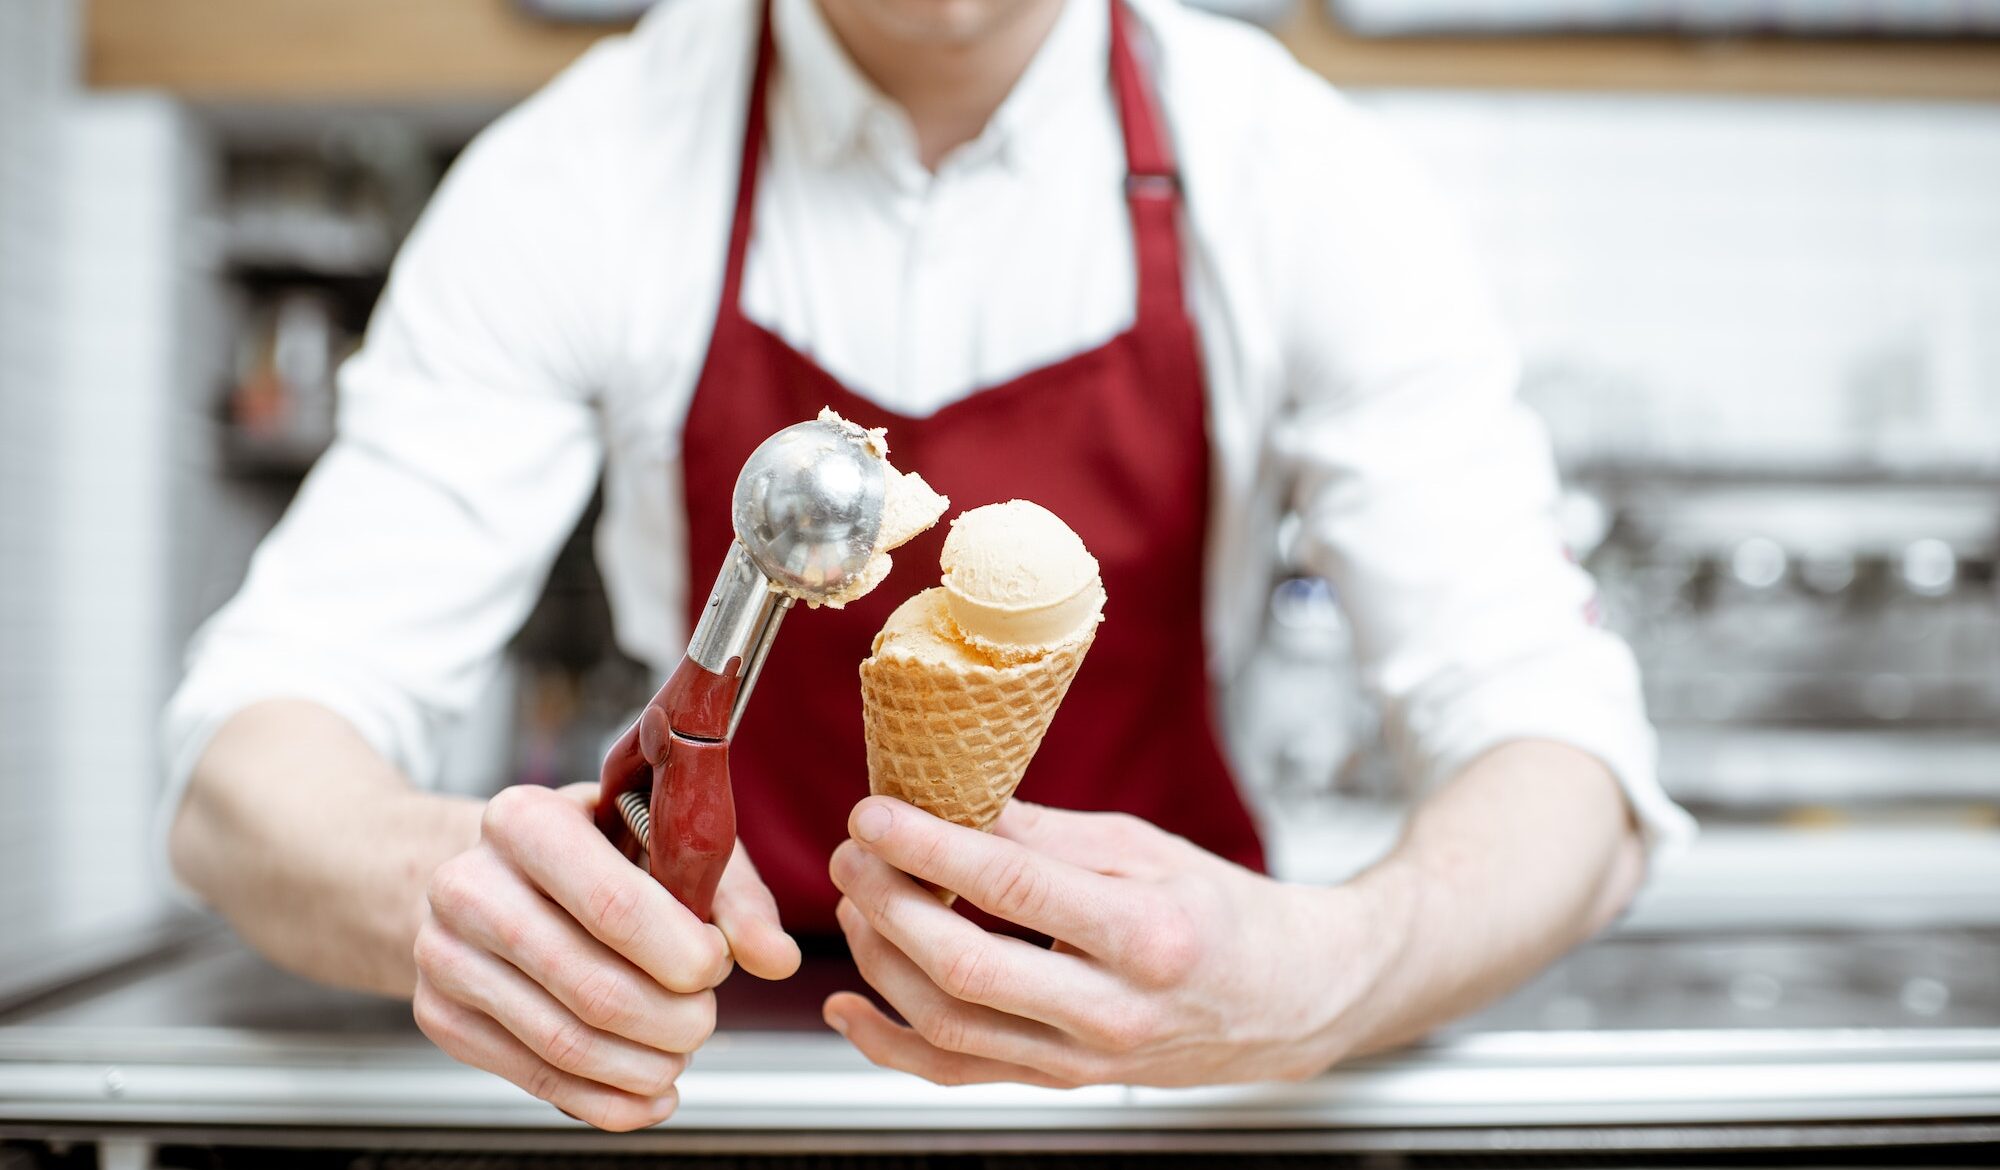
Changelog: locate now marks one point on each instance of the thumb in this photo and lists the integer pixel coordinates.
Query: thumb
(747, 914)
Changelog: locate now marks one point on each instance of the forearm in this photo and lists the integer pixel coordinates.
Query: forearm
(1528, 852)
(313, 847)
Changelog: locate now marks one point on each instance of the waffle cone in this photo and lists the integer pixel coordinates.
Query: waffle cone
(955, 737)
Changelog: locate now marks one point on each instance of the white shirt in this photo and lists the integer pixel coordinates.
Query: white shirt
(548, 318)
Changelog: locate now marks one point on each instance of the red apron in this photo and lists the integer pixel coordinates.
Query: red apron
(1113, 440)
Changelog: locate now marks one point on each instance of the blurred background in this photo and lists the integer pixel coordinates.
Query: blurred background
(1751, 248)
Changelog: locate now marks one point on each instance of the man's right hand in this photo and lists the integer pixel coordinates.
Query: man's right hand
(548, 958)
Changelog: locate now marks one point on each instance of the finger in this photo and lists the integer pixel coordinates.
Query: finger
(468, 975)
(1065, 991)
(553, 841)
(946, 1023)
(475, 1039)
(747, 915)
(999, 876)
(891, 1045)
(583, 794)
(493, 908)
(1115, 844)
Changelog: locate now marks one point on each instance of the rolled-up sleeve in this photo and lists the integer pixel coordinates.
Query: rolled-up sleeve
(1428, 492)
(467, 445)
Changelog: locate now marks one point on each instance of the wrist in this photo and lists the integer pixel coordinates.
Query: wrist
(421, 831)
(1360, 936)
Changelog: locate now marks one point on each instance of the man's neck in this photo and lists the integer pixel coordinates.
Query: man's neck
(949, 86)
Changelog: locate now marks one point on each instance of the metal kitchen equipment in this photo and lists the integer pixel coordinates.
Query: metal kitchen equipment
(807, 511)
(1630, 1052)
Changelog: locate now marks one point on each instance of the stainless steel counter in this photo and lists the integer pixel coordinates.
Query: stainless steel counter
(1632, 1042)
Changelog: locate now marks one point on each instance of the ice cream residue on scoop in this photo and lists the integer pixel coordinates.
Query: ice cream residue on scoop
(875, 439)
(909, 506)
(1018, 582)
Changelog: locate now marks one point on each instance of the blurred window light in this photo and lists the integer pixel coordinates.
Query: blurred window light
(1758, 563)
(1929, 567)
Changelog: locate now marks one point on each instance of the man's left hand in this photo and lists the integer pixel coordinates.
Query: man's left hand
(1170, 965)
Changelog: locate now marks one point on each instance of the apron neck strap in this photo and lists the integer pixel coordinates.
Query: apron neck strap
(747, 168)
(1149, 161)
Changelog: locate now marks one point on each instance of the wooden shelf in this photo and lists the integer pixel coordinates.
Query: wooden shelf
(1944, 70)
(343, 50)
(399, 50)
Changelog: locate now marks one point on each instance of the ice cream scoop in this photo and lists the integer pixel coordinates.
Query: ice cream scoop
(1018, 581)
(816, 510)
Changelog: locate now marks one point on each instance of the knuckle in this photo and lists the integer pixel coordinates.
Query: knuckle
(701, 964)
(505, 812)
(429, 951)
(1122, 830)
(873, 903)
(616, 913)
(944, 1028)
(932, 854)
(569, 1045)
(671, 1066)
(451, 892)
(543, 1081)
(699, 1023)
(1122, 1030)
(516, 942)
(1020, 889)
(598, 998)
(1129, 826)
(666, 1107)
(440, 959)
(1170, 948)
(432, 1020)
(969, 974)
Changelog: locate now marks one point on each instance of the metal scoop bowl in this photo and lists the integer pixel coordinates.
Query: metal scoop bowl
(807, 510)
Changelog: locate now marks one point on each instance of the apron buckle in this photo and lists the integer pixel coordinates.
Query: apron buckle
(1145, 186)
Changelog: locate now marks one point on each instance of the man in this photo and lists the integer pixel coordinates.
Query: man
(1132, 263)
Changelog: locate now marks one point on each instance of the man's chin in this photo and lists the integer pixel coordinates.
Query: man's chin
(937, 22)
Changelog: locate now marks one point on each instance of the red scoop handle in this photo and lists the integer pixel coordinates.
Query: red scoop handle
(677, 754)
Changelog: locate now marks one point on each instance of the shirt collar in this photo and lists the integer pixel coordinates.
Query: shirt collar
(827, 91)
(1068, 72)
(835, 102)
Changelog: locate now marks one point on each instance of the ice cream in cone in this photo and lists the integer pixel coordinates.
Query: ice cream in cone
(966, 676)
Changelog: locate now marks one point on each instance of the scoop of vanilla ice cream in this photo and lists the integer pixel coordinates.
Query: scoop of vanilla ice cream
(920, 630)
(1018, 581)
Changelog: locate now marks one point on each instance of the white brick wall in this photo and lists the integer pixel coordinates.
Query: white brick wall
(1734, 279)
(90, 208)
